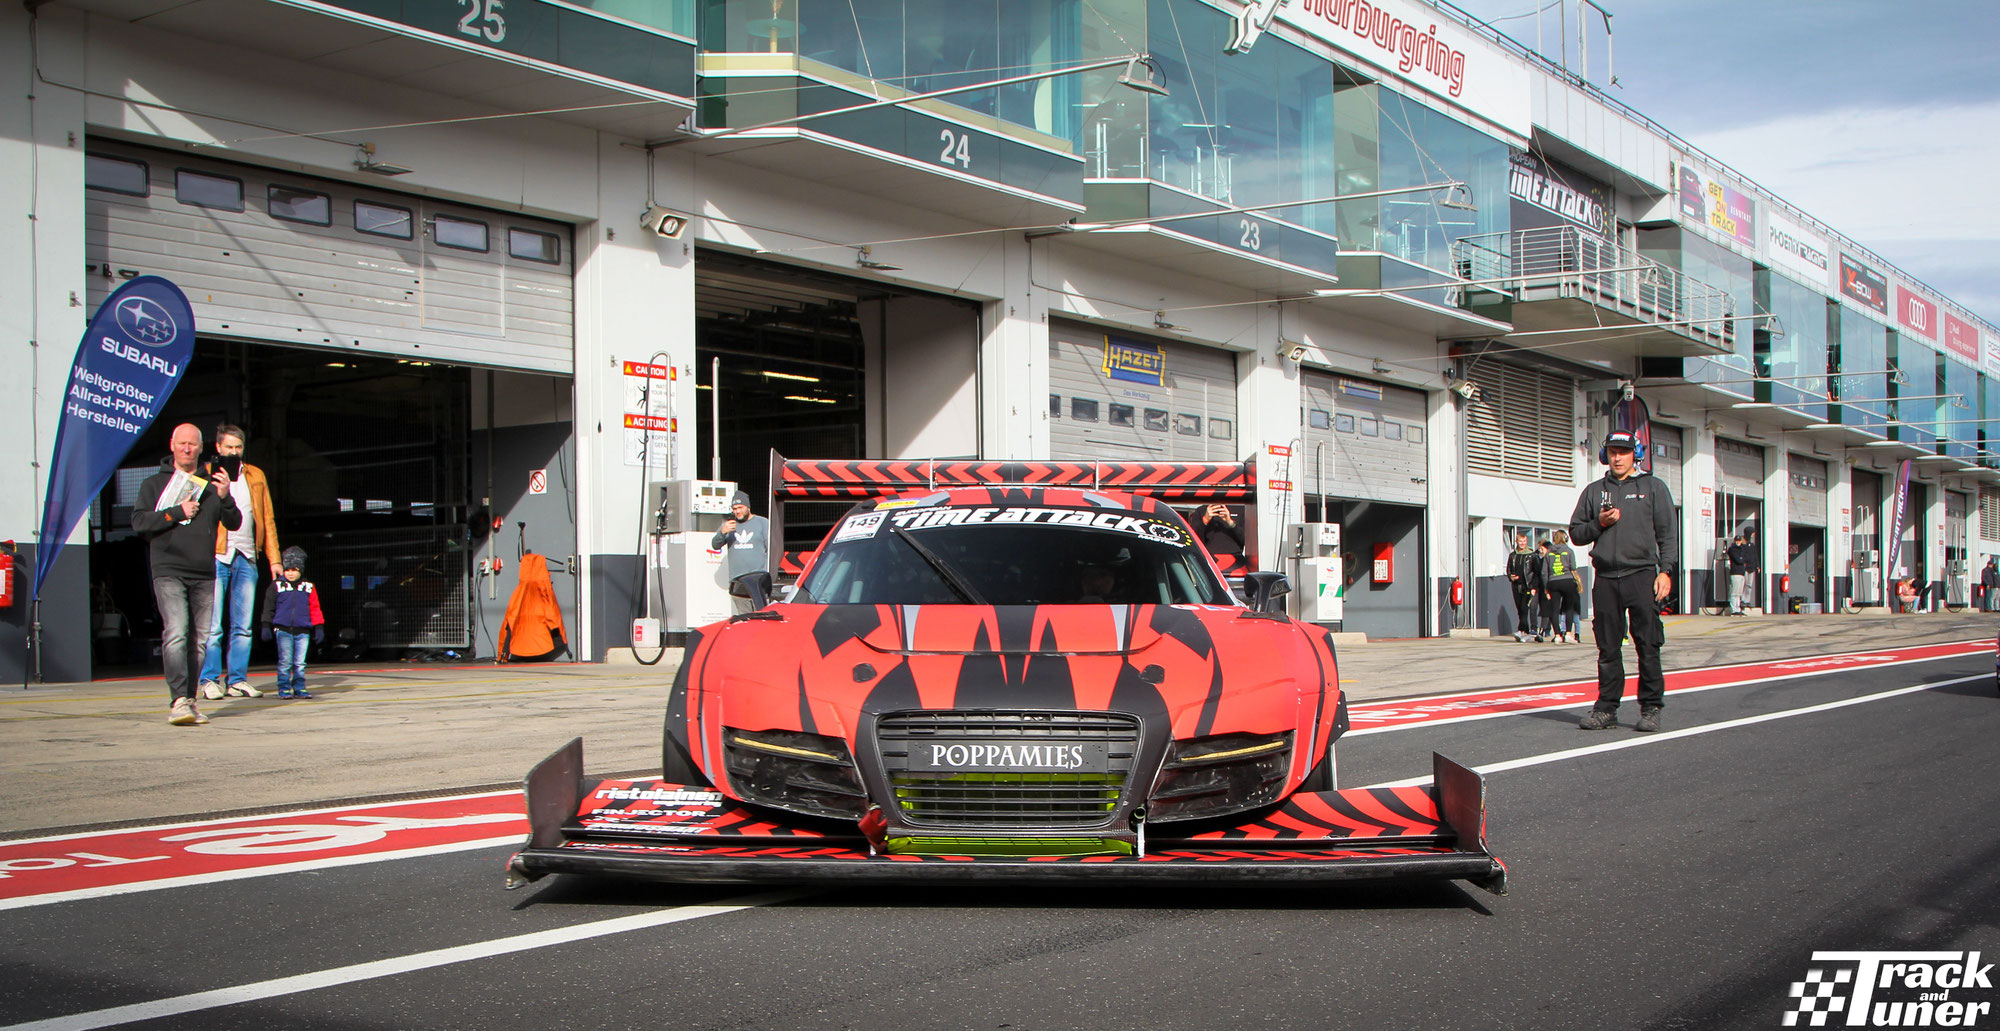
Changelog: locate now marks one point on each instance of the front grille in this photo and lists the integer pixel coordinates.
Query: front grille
(1008, 798)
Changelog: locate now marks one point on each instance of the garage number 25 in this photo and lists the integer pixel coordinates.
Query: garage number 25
(484, 20)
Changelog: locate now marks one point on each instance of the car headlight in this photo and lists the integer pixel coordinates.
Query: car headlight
(805, 773)
(1215, 776)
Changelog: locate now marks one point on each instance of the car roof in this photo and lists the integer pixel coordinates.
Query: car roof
(1022, 497)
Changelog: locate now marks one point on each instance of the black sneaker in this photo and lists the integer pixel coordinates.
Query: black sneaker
(1649, 720)
(1600, 720)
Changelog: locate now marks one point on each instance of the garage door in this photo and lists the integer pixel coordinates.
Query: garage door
(1740, 467)
(1669, 458)
(290, 259)
(1806, 495)
(1118, 397)
(1364, 440)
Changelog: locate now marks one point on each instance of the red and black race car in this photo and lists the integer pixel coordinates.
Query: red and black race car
(1006, 683)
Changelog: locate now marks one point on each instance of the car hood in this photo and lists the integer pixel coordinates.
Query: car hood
(819, 668)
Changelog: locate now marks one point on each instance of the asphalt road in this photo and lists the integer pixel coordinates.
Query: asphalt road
(1682, 880)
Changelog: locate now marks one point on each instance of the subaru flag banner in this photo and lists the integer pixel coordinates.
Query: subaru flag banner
(131, 358)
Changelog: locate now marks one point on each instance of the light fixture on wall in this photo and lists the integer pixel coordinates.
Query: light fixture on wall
(1143, 75)
(863, 258)
(663, 221)
(365, 162)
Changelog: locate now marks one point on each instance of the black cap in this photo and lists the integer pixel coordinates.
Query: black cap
(1621, 439)
(742, 498)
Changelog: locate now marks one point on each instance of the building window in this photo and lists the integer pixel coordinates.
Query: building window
(1055, 406)
(1156, 419)
(1319, 420)
(1187, 425)
(1343, 423)
(1221, 429)
(1371, 427)
(530, 245)
(1523, 427)
(1414, 434)
(289, 205)
(459, 234)
(222, 192)
(1083, 409)
(117, 175)
(382, 220)
(1392, 430)
(1122, 415)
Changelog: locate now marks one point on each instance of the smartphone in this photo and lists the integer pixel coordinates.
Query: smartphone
(231, 464)
(1605, 505)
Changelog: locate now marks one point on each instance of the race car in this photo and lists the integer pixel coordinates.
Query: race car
(1006, 683)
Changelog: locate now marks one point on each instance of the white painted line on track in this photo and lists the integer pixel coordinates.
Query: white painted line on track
(297, 983)
(1592, 700)
(1634, 740)
(219, 876)
(289, 814)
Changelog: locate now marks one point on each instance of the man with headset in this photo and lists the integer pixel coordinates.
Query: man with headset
(1628, 518)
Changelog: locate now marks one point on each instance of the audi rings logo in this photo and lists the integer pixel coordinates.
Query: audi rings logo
(146, 322)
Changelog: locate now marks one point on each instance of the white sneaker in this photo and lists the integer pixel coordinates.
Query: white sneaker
(242, 689)
(182, 713)
(1520, 637)
(211, 690)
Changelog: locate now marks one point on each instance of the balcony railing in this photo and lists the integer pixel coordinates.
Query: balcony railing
(1564, 262)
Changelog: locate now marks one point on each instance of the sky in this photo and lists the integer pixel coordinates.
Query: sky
(1879, 119)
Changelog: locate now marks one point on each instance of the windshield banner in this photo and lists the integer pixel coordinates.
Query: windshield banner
(1140, 526)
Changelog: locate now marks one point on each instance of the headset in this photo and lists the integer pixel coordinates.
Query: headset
(1638, 452)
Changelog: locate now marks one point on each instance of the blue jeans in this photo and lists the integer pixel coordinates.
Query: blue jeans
(235, 590)
(292, 660)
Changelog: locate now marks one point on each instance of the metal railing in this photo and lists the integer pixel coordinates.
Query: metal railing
(1566, 261)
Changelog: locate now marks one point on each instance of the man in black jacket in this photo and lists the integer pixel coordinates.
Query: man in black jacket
(177, 512)
(1628, 518)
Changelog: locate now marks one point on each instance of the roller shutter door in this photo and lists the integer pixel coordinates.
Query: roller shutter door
(289, 259)
(1113, 396)
(1740, 467)
(1806, 495)
(1364, 440)
(1669, 459)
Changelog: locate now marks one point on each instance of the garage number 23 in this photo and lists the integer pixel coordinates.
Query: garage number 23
(484, 20)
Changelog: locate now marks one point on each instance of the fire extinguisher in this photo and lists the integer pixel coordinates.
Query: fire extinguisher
(1457, 593)
(1785, 584)
(7, 575)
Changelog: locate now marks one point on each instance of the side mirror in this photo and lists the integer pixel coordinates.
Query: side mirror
(755, 586)
(1264, 588)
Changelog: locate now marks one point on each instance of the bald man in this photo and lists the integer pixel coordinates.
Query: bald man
(177, 513)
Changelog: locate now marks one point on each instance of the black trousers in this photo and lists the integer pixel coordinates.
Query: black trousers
(1625, 605)
(1524, 610)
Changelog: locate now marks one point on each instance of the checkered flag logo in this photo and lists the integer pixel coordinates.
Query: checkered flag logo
(1822, 994)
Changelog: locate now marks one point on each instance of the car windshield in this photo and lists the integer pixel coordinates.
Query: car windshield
(1010, 556)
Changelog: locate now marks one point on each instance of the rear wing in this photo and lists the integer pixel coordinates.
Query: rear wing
(858, 479)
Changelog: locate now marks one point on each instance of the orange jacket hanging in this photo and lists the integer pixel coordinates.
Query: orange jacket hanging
(533, 627)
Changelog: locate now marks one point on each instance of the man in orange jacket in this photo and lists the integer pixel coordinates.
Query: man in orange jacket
(236, 573)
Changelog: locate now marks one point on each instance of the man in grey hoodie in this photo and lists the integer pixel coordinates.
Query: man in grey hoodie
(1628, 517)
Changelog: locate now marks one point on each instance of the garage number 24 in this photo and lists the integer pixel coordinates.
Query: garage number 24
(483, 20)
(957, 148)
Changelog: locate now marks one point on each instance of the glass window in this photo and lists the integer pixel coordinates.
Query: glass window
(533, 246)
(1083, 409)
(203, 190)
(1121, 415)
(1187, 425)
(117, 175)
(1319, 420)
(461, 234)
(1392, 431)
(1724, 269)
(1221, 429)
(1371, 427)
(1414, 434)
(1055, 406)
(382, 219)
(1956, 412)
(1919, 405)
(1385, 141)
(1343, 423)
(1863, 362)
(291, 205)
(1792, 346)
(675, 16)
(1156, 419)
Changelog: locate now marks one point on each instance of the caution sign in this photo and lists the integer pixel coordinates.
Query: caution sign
(538, 481)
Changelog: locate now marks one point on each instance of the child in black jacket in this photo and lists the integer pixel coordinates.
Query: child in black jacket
(292, 618)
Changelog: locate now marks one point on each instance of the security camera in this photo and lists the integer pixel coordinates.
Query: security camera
(1295, 352)
(664, 222)
(1625, 390)
(1467, 389)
